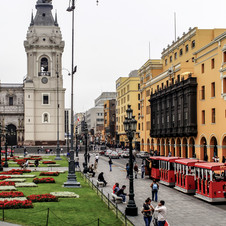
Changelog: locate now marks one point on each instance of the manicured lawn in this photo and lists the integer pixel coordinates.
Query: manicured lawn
(68, 211)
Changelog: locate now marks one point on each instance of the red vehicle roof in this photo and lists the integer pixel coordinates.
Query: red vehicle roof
(211, 165)
(156, 157)
(188, 162)
(170, 159)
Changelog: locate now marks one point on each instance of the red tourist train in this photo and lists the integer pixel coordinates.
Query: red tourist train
(207, 180)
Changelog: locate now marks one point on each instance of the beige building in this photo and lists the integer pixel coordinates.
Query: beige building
(127, 89)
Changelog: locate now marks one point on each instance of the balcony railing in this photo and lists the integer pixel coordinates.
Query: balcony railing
(12, 109)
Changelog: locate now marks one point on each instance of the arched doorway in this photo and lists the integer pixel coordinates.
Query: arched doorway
(162, 148)
(167, 147)
(185, 148)
(148, 146)
(158, 147)
(173, 147)
(203, 149)
(152, 144)
(213, 148)
(224, 150)
(192, 148)
(178, 150)
(12, 135)
(142, 145)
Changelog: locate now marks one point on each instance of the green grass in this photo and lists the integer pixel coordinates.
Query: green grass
(68, 211)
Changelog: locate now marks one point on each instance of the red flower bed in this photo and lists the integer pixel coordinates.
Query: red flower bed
(42, 198)
(4, 177)
(15, 204)
(7, 183)
(12, 173)
(43, 180)
(30, 158)
(20, 170)
(49, 174)
(49, 162)
(11, 194)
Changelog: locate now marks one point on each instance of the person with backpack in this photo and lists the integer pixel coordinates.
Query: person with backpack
(135, 170)
(155, 187)
(147, 211)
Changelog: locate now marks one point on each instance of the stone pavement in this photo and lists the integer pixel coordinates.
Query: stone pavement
(182, 209)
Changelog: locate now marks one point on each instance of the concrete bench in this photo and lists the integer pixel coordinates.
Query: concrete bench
(100, 183)
(116, 199)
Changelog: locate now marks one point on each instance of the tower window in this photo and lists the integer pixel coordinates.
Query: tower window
(45, 99)
(45, 118)
(193, 44)
(44, 64)
(10, 101)
(43, 14)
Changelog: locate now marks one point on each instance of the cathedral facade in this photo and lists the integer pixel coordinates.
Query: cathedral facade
(33, 112)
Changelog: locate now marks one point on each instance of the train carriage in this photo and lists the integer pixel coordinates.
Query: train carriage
(184, 175)
(211, 181)
(166, 167)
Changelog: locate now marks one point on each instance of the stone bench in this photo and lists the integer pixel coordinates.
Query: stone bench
(100, 183)
(116, 199)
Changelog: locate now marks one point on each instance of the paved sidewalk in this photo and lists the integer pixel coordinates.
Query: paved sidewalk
(182, 209)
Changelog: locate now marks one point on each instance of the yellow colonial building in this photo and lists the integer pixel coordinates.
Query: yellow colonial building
(172, 112)
(127, 89)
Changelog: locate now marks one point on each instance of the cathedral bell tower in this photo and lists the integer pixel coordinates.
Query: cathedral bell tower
(43, 86)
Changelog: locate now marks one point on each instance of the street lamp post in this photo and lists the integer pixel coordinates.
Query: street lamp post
(72, 180)
(130, 125)
(76, 140)
(85, 170)
(1, 168)
(6, 143)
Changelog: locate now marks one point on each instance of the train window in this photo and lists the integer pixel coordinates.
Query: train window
(171, 166)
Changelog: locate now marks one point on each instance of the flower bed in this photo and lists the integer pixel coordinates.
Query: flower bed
(4, 177)
(11, 194)
(43, 198)
(7, 183)
(43, 180)
(20, 170)
(48, 162)
(30, 158)
(49, 174)
(15, 204)
(11, 173)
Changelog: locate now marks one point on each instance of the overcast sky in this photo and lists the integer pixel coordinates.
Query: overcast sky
(111, 39)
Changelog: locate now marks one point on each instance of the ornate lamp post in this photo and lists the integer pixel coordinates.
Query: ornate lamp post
(1, 168)
(72, 182)
(85, 170)
(6, 143)
(130, 125)
(76, 140)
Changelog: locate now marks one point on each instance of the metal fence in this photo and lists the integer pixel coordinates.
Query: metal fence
(106, 198)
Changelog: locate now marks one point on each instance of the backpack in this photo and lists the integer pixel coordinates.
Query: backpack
(155, 186)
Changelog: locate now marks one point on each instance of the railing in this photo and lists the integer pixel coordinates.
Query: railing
(111, 205)
(12, 109)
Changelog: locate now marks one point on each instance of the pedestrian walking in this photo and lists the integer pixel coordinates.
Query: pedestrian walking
(147, 211)
(96, 158)
(135, 168)
(142, 168)
(77, 162)
(155, 187)
(95, 165)
(110, 164)
(127, 170)
(161, 210)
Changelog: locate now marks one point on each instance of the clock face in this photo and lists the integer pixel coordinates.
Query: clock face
(44, 80)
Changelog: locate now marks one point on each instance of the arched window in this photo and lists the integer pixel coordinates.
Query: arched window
(44, 64)
(45, 117)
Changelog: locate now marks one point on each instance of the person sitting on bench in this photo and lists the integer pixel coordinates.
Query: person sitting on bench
(101, 178)
(121, 193)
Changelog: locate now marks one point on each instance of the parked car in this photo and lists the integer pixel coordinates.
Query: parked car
(143, 154)
(114, 155)
(108, 152)
(102, 152)
(119, 151)
(125, 154)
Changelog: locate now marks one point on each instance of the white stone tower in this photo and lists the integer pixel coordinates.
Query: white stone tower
(43, 86)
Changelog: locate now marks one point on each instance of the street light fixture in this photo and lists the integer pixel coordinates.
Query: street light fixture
(130, 125)
(1, 168)
(71, 181)
(6, 143)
